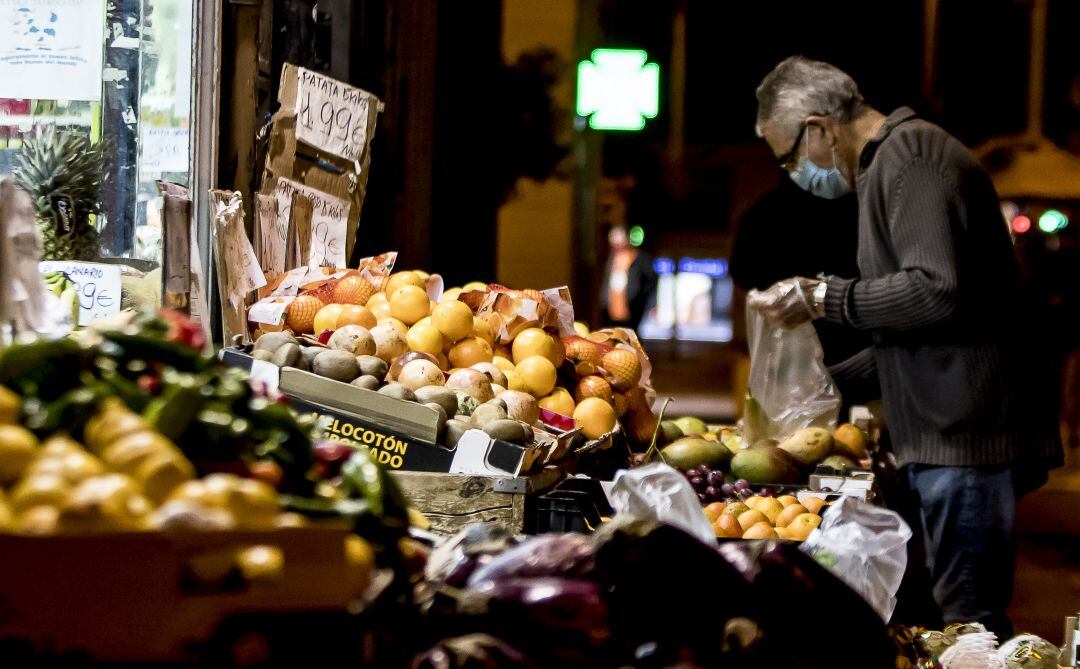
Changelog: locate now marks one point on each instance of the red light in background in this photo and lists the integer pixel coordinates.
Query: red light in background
(1021, 224)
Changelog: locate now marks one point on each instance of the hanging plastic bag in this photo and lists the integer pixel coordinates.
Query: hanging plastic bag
(790, 387)
(658, 492)
(864, 546)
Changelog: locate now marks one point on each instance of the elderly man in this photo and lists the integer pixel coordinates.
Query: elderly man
(938, 294)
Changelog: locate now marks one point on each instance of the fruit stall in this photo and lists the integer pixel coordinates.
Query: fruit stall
(376, 469)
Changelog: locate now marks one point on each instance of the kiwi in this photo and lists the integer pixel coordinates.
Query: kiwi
(272, 341)
(437, 408)
(454, 429)
(508, 430)
(286, 355)
(372, 366)
(337, 365)
(309, 353)
(398, 392)
(484, 414)
(444, 397)
(302, 362)
(262, 354)
(367, 382)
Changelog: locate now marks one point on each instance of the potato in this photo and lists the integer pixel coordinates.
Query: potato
(444, 397)
(337, 365)
(372, 366)
(367, 382)
(286, 355)
(272, 341)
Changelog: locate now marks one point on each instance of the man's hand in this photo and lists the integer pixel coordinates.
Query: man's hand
(786, 303)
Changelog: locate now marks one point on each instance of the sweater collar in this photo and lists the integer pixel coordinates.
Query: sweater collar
(891, 121)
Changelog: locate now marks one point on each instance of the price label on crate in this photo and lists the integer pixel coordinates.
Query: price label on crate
(332, 116)
(97, 284)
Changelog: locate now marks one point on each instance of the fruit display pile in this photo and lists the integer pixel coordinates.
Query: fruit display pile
(483, 342)
(742, 514)
(791, 461)
(134, 427)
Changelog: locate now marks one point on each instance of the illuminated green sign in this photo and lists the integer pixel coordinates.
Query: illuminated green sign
(618, 89)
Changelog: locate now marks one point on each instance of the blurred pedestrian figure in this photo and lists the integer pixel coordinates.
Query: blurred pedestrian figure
(629, 281)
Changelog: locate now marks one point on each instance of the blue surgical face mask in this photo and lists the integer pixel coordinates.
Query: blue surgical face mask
(827, 183)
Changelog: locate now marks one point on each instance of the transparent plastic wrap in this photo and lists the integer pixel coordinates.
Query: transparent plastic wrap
(864, 546)
(658, 492)
(790, 387)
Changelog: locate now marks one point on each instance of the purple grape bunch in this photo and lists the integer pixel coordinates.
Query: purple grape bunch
(712, 486)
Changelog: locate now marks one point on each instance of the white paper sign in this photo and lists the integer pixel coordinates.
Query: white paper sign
(332, 116)
(51, 49)
(98, 286)
(329, 222)
(164, 149)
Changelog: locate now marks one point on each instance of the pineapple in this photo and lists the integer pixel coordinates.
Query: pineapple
(58, 167)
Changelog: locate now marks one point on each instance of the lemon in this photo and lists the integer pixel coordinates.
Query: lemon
(454, 319)
(409, 304)
(10, 405)
(18, 446)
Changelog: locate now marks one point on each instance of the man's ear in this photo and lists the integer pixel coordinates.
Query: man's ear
(823, 127)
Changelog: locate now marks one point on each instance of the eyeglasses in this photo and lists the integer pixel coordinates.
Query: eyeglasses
(788, 161)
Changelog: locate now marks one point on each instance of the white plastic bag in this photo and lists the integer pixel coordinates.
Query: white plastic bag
(658, 492)
(865, 546)
(790, 387)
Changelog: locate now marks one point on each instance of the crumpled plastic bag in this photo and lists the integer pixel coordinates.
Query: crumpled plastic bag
(865, 547)
(790, 387)
(658, 492)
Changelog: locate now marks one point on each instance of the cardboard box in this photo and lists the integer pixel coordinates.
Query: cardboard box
(402, 435)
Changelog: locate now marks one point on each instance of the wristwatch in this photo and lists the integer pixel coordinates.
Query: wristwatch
(817, 299)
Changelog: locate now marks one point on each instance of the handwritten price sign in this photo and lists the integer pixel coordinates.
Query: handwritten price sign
(332, 116)
(98, 286)
(329, 222)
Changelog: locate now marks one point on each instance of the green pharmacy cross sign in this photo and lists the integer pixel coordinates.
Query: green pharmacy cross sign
(617, 89)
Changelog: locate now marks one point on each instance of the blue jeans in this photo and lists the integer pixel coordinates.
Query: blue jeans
(966, 518)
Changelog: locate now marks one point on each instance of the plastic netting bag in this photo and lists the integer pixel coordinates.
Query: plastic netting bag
(790, 387)
(658, 492)
(865, 546)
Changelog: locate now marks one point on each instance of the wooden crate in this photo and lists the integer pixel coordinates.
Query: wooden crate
(454, 501)
(128, 597)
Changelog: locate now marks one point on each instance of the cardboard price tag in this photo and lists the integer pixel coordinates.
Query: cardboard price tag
(329, 222)
(332, 116)
(98, 286)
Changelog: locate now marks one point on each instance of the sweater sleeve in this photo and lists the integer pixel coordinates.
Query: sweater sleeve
(857, 377)
(923, 292)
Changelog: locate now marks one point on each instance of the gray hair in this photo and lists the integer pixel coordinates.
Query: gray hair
(799, 87)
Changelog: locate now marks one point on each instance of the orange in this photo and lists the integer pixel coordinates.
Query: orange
(748, 519)
(538, 374)
(469, 351)
(771, 507)
(327, 318)
(482, 330)
(353, 289)
(534, 341)
(803, 525)
(730, 525)
(713, 511)
(450, 295)
(380, 310)
(789, 514)
(354, 314)
(474, 285)
(623, 368)
(813, 504)
(409, 304)
(426, 338)
(514, 381)
(850, 441)
(787, 500)
(760, 531)
(594, 415)
(454, 320)
(377, 299)
(503, 363)
(402, 279)
(593, 386)
(581, 329)
(559, 401)
(300, 314)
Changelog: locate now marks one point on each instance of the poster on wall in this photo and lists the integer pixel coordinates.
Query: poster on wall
(51, 49)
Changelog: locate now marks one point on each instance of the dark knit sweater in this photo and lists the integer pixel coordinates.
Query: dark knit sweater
(938, 293)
